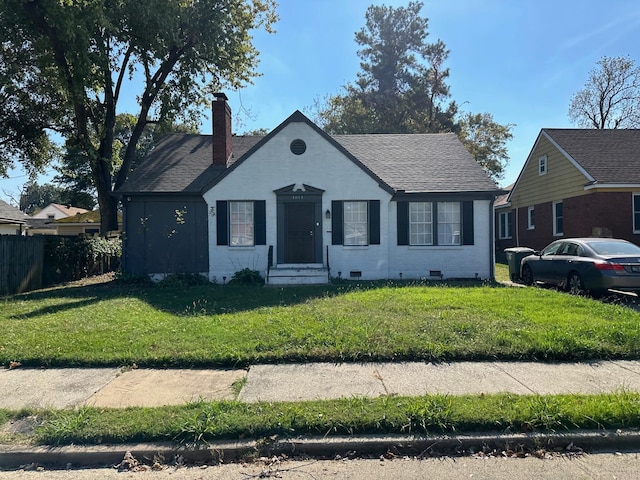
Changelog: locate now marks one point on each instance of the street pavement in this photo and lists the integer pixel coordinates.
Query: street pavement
(586, 467)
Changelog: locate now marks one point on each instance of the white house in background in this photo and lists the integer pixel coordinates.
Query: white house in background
(301, 206)
(12, 220)
(43, 222)
(55, 211)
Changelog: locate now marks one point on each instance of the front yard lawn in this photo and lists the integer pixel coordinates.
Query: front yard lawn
(221, 326)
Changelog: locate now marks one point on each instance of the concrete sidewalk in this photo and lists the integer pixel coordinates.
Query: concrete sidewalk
(111, 387)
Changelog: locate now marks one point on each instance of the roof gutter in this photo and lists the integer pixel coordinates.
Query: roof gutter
(593, 186)
(467, 194)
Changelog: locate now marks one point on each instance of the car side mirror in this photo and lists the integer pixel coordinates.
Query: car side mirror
(537, 252)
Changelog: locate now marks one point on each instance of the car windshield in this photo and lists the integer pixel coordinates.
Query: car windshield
(615, 248)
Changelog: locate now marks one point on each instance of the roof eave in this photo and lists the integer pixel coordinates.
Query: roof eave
(476, 194)
(135, 193)
(596, 185)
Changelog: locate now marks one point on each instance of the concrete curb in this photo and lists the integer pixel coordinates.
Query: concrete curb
(14, 457)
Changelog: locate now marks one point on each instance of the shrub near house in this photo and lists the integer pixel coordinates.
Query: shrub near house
(73, 258)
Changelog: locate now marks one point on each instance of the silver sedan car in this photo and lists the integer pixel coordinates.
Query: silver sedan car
(585, 264)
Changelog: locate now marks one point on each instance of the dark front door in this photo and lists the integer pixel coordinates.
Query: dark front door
(300, 232)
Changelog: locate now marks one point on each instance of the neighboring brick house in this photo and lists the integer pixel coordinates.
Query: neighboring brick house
(301, 206)
(574, 183)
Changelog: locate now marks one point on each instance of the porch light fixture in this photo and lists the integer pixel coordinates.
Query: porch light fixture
(327, 214)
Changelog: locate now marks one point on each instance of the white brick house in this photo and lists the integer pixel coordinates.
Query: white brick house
(301, 206)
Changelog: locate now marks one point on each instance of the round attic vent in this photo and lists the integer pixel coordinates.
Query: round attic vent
(298, 147)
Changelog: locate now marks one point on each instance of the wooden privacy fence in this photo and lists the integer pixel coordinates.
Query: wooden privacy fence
(21, 263)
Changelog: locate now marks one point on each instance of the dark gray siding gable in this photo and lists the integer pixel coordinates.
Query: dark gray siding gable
(165, 234)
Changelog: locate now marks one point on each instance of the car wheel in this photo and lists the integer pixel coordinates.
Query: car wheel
(574, 284)
(527, 275)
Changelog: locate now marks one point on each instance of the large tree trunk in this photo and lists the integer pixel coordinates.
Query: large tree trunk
(102, 174)
(108, 215)
(107, 202)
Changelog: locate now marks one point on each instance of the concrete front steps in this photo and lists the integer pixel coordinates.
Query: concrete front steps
(298, 275)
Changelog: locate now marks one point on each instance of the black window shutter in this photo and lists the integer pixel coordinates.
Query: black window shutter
(336, 222)
(467, 223)
(260, 222)
(403, 223)
(374, 222)
(221, 222)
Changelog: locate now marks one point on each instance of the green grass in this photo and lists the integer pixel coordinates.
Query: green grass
(202, 422)
(208, 326)
(502, 272)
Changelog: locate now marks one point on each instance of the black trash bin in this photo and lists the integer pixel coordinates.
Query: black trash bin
(514, 257)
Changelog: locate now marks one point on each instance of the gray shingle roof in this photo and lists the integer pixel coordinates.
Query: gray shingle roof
(181, 163)
(9, 214)
(435, 163)
(609, 156)
(419, 162)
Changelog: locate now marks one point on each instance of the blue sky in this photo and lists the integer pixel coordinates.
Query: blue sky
(520, 60)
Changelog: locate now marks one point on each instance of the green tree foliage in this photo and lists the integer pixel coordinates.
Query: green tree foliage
(74, 170)
(485, 139)
(28, 104)
(260, 132)
(610, 97)
(402, 88)
(65, 64)
(35, 197)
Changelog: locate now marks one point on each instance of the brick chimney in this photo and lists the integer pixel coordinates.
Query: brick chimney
(221, 129)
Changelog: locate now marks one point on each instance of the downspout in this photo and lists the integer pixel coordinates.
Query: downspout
(492, 244)
(517, 227)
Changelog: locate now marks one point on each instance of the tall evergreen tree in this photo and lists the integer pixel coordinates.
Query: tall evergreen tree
(402, 87)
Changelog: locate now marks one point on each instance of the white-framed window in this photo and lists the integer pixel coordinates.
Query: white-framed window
(420, 223)
(505, 222)
(241, 223)
(531, 218)
(542, 165)
(636, 213)
(449, 223)
(355, 217)
(558, 219)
